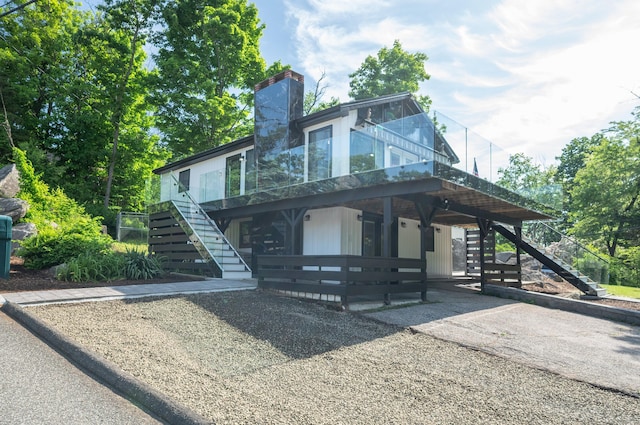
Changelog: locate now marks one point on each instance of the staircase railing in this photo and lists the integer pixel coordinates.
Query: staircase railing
(194, 204)
(560, 246)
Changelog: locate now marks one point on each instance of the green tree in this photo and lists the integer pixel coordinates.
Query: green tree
(129, 22)
(107, 150)
(208, 61)
(531, 180)
(393, 70)
(36, 56)
(604, 196)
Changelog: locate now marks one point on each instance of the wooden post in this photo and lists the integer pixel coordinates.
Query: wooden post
(485, 226)
(387, 221)
(427, 209)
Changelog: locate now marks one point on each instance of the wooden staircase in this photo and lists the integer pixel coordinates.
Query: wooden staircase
(553, 262)
(209, 240)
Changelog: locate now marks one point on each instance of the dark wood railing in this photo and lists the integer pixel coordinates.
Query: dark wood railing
(342, 275)
(502, 274)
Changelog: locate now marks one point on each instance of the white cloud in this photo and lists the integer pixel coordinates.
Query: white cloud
(529, 76)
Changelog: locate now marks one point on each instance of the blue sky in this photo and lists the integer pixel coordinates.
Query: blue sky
(528, 76)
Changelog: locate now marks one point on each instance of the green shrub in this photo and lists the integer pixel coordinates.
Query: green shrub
(625, 269)
(51, 247)
(65, 230)
(141, 266)
(88, 267)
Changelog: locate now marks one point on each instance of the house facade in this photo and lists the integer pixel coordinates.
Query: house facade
(370, 178)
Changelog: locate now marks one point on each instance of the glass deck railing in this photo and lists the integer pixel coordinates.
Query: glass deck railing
(557, 245)
(483, 158)
(400, 147)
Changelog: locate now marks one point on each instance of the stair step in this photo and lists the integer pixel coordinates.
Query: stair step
(236, 275)
(207, 235)
(224, 255)
(233, 267)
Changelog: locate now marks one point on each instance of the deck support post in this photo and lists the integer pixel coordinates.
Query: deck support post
(485, 227)
(387, 221)
(518, 232)
(427, 209)
(293, 218)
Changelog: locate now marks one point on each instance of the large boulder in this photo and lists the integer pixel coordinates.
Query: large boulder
(14, 208)
(9, 181)
(20, 232)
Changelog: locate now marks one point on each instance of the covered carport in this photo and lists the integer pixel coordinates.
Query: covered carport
(430, 192)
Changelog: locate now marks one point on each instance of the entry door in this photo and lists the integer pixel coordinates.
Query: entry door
(371, 236)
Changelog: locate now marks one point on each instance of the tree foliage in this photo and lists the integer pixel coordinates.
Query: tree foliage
(208, 63)
(604, 195)
(74, 86)
(313, 100)
(531, 180)
(36, 57)
(393, 70)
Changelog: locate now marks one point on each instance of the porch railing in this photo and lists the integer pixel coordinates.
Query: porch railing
(571, 252)
(344, 276)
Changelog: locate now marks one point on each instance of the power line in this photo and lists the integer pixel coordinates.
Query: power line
(15, 9)
(7, 4)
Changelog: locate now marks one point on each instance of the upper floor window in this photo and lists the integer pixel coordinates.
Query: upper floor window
(232, 180)
(320, 153)
(183, 179)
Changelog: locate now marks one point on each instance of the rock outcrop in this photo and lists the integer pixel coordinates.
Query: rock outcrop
(14, 207)
(9, 181)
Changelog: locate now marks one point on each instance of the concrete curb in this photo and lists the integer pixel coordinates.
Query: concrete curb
(559, 303)
(134, 390)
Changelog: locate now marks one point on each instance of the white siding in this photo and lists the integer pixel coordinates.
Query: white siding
(206, 178)
(351, 234)
(332, 231)
(440, 262)
(408, 238)
(322, 232)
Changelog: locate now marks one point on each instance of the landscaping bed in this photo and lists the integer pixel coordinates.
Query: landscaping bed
(24, 279)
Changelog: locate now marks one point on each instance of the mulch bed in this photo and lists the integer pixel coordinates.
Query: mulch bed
(24, 279)
(565, 289)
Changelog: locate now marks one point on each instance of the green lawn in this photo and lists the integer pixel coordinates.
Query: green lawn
(623, 291)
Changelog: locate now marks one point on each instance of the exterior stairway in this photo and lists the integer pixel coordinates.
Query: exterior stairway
(210, 242)
(553, 262)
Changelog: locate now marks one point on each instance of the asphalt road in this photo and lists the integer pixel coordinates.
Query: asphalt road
(39, 386)
(598, 351)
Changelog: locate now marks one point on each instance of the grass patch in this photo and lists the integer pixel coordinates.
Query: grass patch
(124, 247)
(623, 291)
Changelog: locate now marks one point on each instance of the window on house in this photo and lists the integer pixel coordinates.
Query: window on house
(430, 244)
(320, 153)
(250, 177)
(232, 177)
(183, 180)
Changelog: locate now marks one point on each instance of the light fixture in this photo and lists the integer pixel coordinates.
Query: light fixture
(359, 217)
(403, 224)
(307, 217)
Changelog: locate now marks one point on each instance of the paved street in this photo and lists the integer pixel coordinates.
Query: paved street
(39, 386)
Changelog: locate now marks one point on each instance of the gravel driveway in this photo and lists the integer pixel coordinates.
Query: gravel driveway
(252, 357)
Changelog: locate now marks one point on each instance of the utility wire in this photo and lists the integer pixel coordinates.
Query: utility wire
(15, 9)
(7, 4)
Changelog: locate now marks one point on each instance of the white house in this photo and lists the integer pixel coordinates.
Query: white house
(371, 178)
